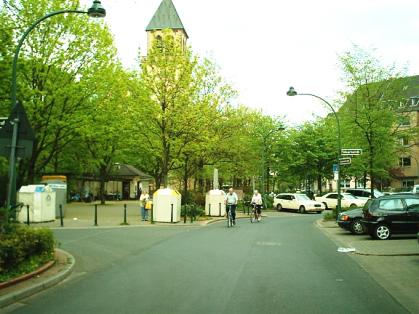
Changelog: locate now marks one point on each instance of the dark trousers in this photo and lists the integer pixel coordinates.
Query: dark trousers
(233, 210)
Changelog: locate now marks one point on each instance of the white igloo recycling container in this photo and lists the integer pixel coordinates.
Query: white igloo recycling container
(166, 205)
(215, 203)
(41, 201)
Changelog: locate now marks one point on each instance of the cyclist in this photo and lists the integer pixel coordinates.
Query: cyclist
(231, 202)
(257, 203)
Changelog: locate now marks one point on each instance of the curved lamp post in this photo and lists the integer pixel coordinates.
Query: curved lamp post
(96, 10)
(264, 168)
(293, 92)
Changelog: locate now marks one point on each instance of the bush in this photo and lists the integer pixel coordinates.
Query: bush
(21, 245)
(269, 201)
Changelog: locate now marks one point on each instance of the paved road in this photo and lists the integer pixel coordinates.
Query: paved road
(281, 265)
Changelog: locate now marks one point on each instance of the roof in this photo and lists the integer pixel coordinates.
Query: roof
(130, 171)
(165, 17)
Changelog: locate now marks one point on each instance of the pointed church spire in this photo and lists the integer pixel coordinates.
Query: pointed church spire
(166, 16)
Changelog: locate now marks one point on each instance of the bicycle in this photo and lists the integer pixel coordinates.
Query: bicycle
(254, 216)
(229, 216)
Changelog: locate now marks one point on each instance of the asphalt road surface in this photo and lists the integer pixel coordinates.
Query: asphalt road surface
(280, 265)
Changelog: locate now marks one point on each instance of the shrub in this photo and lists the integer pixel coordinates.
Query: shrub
(21, 245)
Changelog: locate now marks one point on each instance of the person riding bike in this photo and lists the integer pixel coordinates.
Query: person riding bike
(257, 203)
(231, 202)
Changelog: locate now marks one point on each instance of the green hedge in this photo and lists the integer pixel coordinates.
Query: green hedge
(21, 246)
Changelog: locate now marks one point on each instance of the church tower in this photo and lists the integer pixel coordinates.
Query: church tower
(166, 17)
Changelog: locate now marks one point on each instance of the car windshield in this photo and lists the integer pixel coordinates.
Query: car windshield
(302, 197)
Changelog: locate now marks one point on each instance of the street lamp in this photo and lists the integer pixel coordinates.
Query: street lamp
(96, 10)
(293, 92)
(264, 170)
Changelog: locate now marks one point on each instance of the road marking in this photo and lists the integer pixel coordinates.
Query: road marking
(268, 243)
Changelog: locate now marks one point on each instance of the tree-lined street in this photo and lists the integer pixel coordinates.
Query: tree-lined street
(281, 265)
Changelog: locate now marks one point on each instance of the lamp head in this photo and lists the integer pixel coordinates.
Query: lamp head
(292, 92)
(96, 10)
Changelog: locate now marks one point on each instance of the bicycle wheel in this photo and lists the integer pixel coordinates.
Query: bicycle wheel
(229, 220)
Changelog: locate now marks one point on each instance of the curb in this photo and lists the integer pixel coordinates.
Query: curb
(319, 225)
(18, 295)
(27, 276)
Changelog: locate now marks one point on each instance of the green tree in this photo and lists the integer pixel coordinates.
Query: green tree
(57, 63)
(370, 114)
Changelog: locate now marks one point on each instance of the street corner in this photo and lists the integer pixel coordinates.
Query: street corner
(321, 223)
(41, 279)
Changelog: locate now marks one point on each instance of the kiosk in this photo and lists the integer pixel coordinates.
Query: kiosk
(215, 203)
(41, 201)
(166, 205)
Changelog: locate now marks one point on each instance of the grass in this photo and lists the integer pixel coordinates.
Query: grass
(26, 267)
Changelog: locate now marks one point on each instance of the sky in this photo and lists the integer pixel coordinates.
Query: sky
(263, 47)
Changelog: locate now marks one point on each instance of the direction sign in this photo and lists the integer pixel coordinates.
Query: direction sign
(345, 161)
(25, 136)
(351, 151)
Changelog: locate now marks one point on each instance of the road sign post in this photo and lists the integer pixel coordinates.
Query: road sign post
(345, 161)
(351, 151)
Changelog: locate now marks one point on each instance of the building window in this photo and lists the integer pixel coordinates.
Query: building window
(404, 141)
(404, 121)
(345, 183)
(159, 42)
(405, 162)
(414, 101)
(408, 184)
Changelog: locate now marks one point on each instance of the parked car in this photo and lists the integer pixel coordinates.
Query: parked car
(364, 193)
(330, 200)
(351, 220)
(300, 202)
(392, 214)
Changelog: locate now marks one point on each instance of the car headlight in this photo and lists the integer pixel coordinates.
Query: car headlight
(344, 217)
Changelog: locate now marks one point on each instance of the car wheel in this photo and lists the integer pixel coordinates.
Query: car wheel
(279, 207)
(325, 206)
(382, 232)
(352, 206)
(302, 209)
(357, 227)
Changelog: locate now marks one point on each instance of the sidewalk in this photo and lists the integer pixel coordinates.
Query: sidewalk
(365, 245)
(82, 215)
(392, 263)
(64, 263)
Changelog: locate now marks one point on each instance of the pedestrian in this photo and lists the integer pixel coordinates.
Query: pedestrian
(144, 198)
(231, 202)
(257, 203)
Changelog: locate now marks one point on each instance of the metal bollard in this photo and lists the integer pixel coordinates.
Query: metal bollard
(209, 209)
(171, 213)
(192, 212)
(125, 214)
(151, 214)
(219, 209)
(185, 213)
(95, 214)
(27, 215)
(61, 216)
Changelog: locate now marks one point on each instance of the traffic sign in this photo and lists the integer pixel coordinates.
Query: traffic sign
(25, 136)
(335, 167)
(351, 151)
(345, 161)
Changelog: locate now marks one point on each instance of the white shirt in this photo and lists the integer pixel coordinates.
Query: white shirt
(257, 199)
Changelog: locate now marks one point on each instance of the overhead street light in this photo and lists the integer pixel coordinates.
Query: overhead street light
(293, 92)
(264, 168)
(95, 11)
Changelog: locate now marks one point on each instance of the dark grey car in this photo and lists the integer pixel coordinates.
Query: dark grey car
(351, 220)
